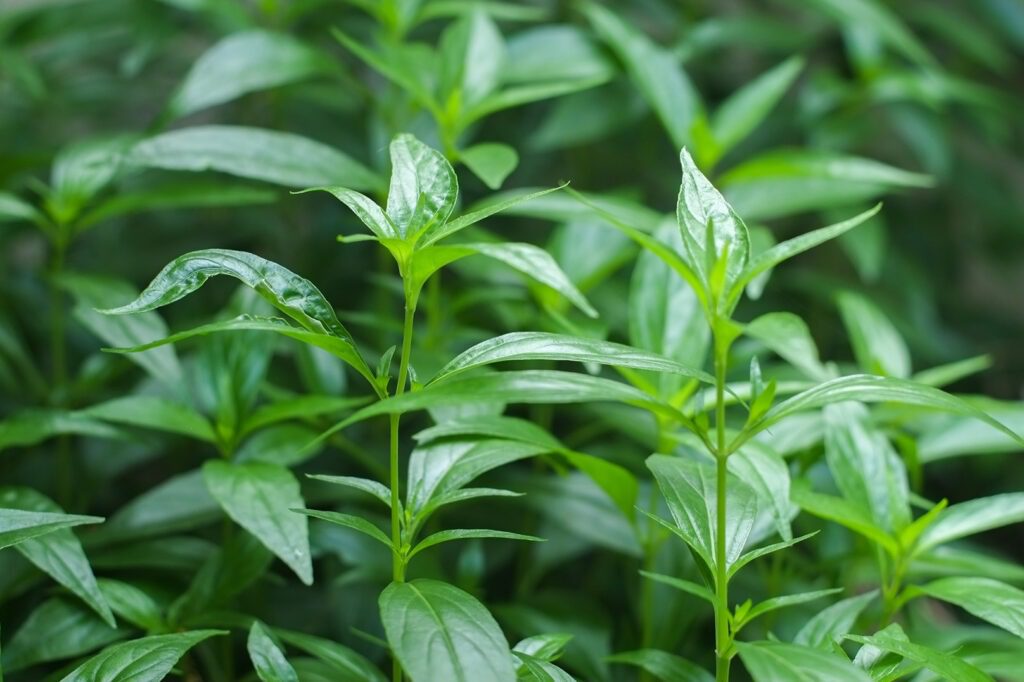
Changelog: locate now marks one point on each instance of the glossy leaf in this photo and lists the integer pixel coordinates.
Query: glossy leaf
(267, 658)
(147, 659)
(491, 162)
(55, 630)
(259, 496)
(441, 231)
(879, 348)
(438, 631)
(971, 517)
(775, 661)
(831, 624)
(948, 666)
(423, 187)
(346, 665)
(468, 534)
(988, 599)
(18, 525)
(663, 665)
(788, 336)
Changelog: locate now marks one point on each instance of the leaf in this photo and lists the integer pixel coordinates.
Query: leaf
(440, 231)
(879, 348)
(339, 347)
(663, 665)
(365, 208)
(14, 209)
(438, 631)
(535, 263)
(868, 389)
(468, 534)
(687, 586)
(491, 162)
(349, 521)
(179, 503)
(423, 187)
(59, 554)
(765, 472)
(555, 52)
(880, 20)
(971, 517)
(258, 497)
(846, 514)
(268, 155)
(547, 647)
(783, 601)
(132, 604)
(702, 211)
(244, 62)
(154, 412)
(775, 661)
(472, 54)
(519, 346)
(828, 626)
(27, 428)
(654, 70)
(689, 487)
(142, 660)
(377, 490)
(350, 665)
(785, 182)
(788, 336)
(745, 109)
(759, 552)
(949, 666)
(865, 467)
(988, 599)
(81, 170)
(267, 659)
(55, 630)
(531, 668)
(17, 525)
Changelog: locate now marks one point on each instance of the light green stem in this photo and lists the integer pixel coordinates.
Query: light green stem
(722, 639)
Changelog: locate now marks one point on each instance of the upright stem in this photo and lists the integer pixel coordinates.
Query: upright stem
(59, 368)
(398, 561)
(722, 639)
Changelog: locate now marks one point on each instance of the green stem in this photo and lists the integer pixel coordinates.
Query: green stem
(398, 558)
(59, 369)
(722, 639)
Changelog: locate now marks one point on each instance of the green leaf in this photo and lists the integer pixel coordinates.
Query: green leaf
(745, 109)
(783, 601)
(440, 231)
(846, 514)
(555, 52)
(787, 335)
(654, 70)
(879, 348)
(423, 187)
(259, 496)
(267, 659)
(349, 521)
(776, 661)
(154, 412)
(59, 554)
(144, 660)
(971, 517)
(438, 632)
(689, 487)
(828, 626)
(759, 552)
(988, 599)
(490, 161)
(132, 604)
(472, 54)
(702, 211)
(948, 666)
(27, 428)
(687, 586)
(81, 170)
(531, 668)
(268, 155)
(547, 647)
(18, 525)
(880, 20)
(767, 474)
(865, 467)
(785, 182)
(377, 490)
(467, 534)
(346, 664)
(519, 346)
(663, 665)
(14, 209)
(179, 503)
(244, 62)
(868, 389)
(365, 208)
(55, 630)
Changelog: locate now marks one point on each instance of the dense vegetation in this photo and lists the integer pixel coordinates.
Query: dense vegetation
(524, 353)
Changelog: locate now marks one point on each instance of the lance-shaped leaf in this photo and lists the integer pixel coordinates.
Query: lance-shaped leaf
(703, 212)
(55, 630)
(472, 53)
(892, 639)
(988, 599)
(154, 412)
(776, 661)
(245, 62)
(868, 388)
(689, 487)
(58, 554)
(846, 514)
(971, 517)
(788, 336)
(767, 474)
(149, 658)
(18, 525)
(439, 632)
(781, 602)
(545, 346)
(356, 523)
(547, 647)
(877, 345)
(269, 155)
(346, 664)
(663, 665)
(267, 658)
(259, 496)
(468, 534)
(365, 208)
(423, 186)
(132, 604)
(491, 162)
(440, 231)
(829, 625)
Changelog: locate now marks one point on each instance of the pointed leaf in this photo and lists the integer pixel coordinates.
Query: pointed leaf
(346, 664)
(365, 208)
(146, 660)
(776, 661)
(663, 665)
(879, 348)
(788, 336)
(423, 186)
(948, 666)
(491, 162)
(267, 658)
(829, 625)
(988, 599)
(468, 534)
(349, 521)
(440, 231)
(18, 525)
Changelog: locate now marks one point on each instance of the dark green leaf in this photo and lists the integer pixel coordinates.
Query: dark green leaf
(141, 660)
(267, 659)
(777, 661)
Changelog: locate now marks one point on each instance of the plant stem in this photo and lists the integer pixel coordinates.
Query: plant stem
(398, 560)
(59, 368)
(722, 641)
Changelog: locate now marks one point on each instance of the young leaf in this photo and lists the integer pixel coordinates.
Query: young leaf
(17, 525)
(472, 54)
(467, 534)
(988, 599)
(149, 658)
(58, 554)
(259, 496)
(491, 162)
(245, 62)
(268, 155)
(879, 348)
(349, 521)
(765, 472)
(267, 658)
(441, 231)
(686, 586)
(547, 647)
(828, 626)
(377, 490)
(346, 665)
(423, 187)
(544, 346)
(776, 661)
(846, 514)
(950, 667)
(365, 208)
(788, 336)
(438, 631)
(663, 665)
(971, 517)
(780, 602)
